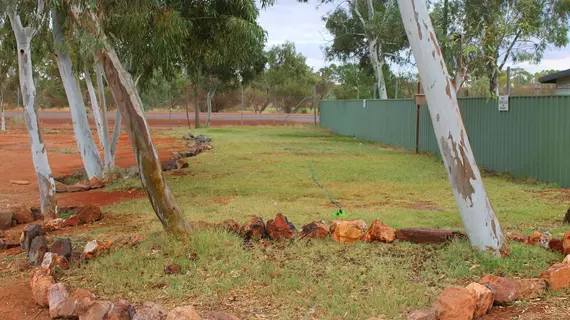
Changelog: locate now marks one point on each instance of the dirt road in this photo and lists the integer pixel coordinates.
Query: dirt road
(178, 119)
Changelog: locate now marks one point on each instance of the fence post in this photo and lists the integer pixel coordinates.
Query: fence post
(315, 104)
(418, 120)
(479, 219)
(508, 81)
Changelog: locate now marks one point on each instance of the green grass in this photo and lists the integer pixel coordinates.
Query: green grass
(251, 169)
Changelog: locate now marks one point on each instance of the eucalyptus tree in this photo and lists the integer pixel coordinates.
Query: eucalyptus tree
(368, 30)
(476, 211)
(85, 143)
(224, 45)
(8, 66)
(26, 18)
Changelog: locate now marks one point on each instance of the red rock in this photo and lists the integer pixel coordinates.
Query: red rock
(222, 316)
(557, 277)
(183, 313)
(556, 245)
(173, 269)
(505, 288)
(456, 303)
(566, 260)
(89, 214)
(38, 249)
(566, 243)
(485, 298)
(61, 305)
(97, 311)
(122, 310)
(149, 311)
(314, 230)
(544, 240)
(280, 228)
(518, 237)
(379, 232)
(230, 226)
(6, 219)
(72, 221)
(62, 247)
(23, 214)
(181, 164)
(52, 225)
(49, 261)
(62, 262)
(428, 235)
(83, 300)
(254, 229)
(2, 234)
(530, 288)
(40, 283)
(348, 231)
(95, 247)
(534, 238)
(20, 182)
(95, 183)
(423, 314)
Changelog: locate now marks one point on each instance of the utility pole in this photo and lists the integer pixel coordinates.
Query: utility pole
(315, 104)
(479, 219)
(508, 81)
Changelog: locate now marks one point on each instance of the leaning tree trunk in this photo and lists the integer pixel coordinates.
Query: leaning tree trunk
(116, 134)
(104, 135)
(478, 216)
(196, 108)
(85, 143)
(128, 100)
(46, 182)
(209, 97)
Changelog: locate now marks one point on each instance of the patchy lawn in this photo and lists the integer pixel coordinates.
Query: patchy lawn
(251, 170)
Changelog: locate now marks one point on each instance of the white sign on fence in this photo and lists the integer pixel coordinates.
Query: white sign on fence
(503, 103)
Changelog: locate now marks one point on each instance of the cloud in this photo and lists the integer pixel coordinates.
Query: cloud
(300, 23)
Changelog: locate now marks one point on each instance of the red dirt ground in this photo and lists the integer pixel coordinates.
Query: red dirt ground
(16, 302)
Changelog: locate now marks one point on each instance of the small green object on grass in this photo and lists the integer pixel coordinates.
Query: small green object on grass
(339, 213)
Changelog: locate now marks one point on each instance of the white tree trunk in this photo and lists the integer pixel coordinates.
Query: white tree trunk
(474, 206)
(374, 48)
(3, 120)
(106, 143)
(46, 182)
(116, 134)
(84, 138)
(209, 97)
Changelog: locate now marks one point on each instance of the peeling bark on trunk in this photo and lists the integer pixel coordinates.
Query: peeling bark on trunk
(46, 182)
(163, 202)
(104, 135)
(478, 216)
(196, 108)
(128, 100)
(85, 143)
(186, 102)
(209, 97)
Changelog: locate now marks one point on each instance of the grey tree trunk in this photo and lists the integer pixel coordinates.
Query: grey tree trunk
(46, 183)
(196, 108)
(374, 48)
(85, 143)
(128, 100)
(116, 134)
(209, 97)
(476, 211)
(104, 135)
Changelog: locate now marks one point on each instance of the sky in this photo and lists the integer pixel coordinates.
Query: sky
(302, 24)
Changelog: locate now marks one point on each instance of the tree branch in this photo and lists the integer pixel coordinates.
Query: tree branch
(508, 52)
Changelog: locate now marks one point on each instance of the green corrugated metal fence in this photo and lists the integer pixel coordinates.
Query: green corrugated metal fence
(531, 140)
